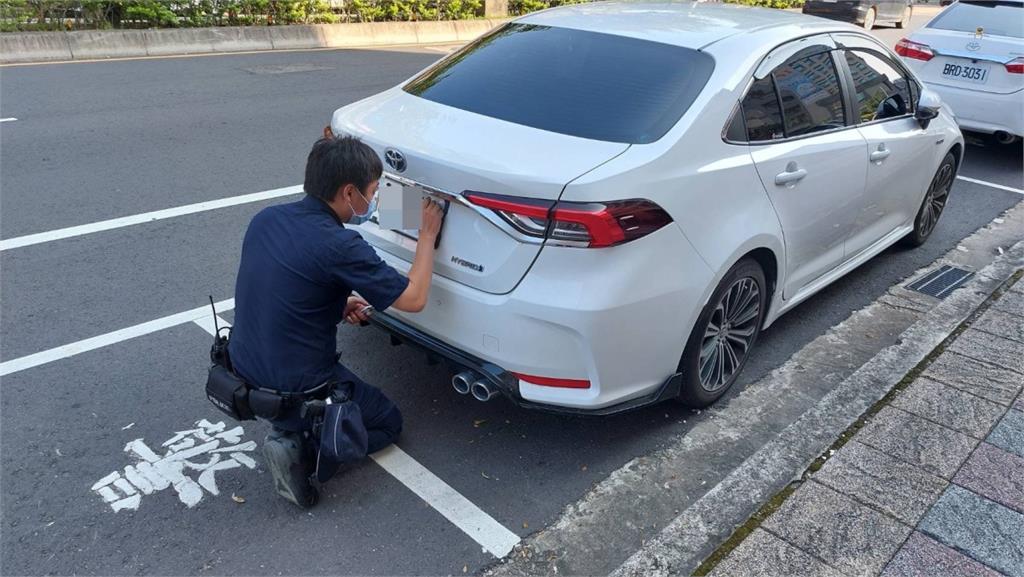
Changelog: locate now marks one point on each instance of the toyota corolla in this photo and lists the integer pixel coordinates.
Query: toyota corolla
(635, 191)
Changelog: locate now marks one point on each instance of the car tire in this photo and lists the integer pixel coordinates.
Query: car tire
(715, 346)
(934, 203)
(904, 22)
(869, 18)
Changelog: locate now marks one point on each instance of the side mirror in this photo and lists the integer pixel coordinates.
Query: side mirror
(928, 106)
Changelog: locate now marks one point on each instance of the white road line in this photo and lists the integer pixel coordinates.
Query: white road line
(72, 349)
(73, 231)
(207, 322)
(7, 119)
(490, 534)
(481, 527)
(991, 184)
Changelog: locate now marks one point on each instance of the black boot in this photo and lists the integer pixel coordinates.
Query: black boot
(288, 460)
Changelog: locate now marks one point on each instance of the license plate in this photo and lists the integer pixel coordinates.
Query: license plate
(975, 74)
(399, 205)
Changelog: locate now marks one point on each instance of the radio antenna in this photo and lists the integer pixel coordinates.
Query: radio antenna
(216, 329)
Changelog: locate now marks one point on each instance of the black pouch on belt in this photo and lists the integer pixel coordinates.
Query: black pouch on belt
(339, 432)
(265, 405)
(228, 393)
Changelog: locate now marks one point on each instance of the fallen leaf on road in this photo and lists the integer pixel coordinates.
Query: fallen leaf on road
(237, 499)
(484, 475)
(526, 525)
(465, 568)
(478, 422)
(583, 468)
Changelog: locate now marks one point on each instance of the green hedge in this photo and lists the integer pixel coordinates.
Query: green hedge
(92, 14)
(18, 15)
(770, 3)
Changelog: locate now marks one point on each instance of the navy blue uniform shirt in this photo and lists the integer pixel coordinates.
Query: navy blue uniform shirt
(299, 265)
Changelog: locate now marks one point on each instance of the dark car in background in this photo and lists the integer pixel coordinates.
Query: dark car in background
(866, 13)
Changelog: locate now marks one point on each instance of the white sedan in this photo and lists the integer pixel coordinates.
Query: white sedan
(636, 190)
(972, 55)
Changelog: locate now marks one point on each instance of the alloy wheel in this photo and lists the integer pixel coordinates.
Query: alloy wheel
(935, 202)
(907, 15)
(869, 19)
(729, 334)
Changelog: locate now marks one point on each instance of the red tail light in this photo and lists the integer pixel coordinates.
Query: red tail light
(550, 382)
(592, 225)
(1015, 66)
(915, 50)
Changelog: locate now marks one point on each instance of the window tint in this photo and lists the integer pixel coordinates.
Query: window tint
(882, 89)
(761, 111)
(809, 90)
(573, 82)
(998, 18)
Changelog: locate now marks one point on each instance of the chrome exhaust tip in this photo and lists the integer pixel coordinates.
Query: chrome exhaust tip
(483, 391)
(463, 382)
(1003, 137)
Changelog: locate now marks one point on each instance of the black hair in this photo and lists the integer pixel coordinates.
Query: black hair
(335, 162)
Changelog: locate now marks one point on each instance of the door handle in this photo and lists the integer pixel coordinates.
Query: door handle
(881, 154)
(792, 175)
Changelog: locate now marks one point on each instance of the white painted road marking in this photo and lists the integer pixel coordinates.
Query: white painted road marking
(991, 184)
(7, 119)
(207, 322)
(481, 527)
(72, 349)
(490, 534)
(153, 472)
(73, 231)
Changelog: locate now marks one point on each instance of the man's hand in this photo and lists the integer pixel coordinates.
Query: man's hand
(430, 221)
(415, 296)
(353, 311)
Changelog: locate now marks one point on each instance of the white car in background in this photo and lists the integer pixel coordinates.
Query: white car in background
(972, 55)
(636, 190)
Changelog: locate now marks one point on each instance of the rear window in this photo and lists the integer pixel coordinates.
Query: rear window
(584, 84)
(995, 18)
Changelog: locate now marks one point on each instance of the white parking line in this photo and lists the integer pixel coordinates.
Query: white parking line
(474, 522)
(72, 349)
(73, 231)
(490, 534)
(991, 184)
(7, 119)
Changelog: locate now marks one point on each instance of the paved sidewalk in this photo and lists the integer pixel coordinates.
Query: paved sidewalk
(932, 484)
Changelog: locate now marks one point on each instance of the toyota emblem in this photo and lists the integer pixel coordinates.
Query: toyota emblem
(395, 159)
(973, 46)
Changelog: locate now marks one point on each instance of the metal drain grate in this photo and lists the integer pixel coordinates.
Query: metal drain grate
(939, 283)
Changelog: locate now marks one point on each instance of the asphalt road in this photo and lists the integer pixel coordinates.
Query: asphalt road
(101, 140)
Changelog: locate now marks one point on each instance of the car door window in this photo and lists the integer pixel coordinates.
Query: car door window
(883, 90)
(761, 112)
(808, 88)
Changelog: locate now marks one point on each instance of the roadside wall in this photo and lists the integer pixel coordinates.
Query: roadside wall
(25, 47)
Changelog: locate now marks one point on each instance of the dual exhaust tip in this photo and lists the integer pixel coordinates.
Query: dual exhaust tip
(468, 382)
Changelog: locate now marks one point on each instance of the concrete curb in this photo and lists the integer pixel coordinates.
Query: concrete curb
(695, 533)
(31, 47)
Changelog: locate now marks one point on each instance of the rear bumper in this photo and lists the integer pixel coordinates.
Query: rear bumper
(983, 111)
(843, 11)
(459, 360)
(616, 317)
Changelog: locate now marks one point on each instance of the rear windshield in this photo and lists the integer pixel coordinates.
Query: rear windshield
(585, 84)
(995, 18)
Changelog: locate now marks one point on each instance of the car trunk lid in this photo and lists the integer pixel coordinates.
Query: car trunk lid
(455, 151)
